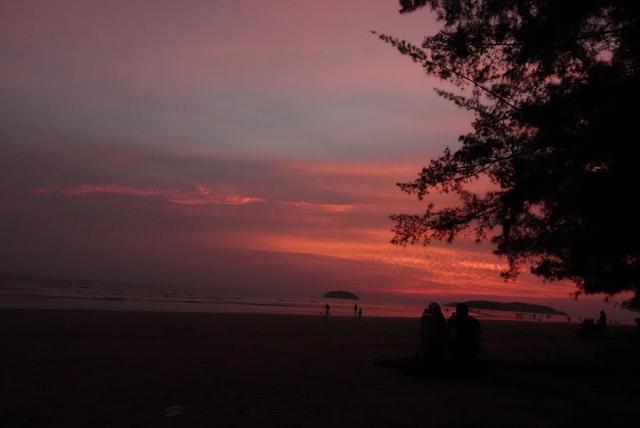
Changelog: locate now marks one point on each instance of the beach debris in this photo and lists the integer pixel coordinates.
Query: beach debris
(173, 411)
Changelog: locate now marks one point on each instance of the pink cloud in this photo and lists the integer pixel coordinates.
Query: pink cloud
(330, 208)
(202, 195)
(370, 168)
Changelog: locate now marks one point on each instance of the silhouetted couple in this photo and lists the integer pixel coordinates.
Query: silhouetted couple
(460, 335)
(590, 329)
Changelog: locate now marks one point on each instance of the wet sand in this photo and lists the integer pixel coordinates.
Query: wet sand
(101, 369)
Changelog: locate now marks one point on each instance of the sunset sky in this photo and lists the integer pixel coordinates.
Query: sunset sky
(245, 146)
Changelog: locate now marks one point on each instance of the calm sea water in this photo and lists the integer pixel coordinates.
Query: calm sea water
(41, 293)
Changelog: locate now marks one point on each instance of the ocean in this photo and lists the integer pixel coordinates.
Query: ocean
(48, 293)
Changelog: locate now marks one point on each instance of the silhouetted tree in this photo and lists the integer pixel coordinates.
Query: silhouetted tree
(554, 86)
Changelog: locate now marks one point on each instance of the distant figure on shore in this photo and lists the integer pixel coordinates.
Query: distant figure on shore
(355, 309)
(360, 312)
(464, 331)
(602, 320)
(433, 333)
(326, 309)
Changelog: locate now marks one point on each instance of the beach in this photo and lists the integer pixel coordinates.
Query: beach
(109, 368)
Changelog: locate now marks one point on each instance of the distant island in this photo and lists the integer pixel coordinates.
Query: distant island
(510, 307)
(341, 295)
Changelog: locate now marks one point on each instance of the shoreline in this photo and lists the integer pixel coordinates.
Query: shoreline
(239, 305)
(320, 315)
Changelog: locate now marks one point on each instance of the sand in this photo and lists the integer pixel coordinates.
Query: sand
(103, 369)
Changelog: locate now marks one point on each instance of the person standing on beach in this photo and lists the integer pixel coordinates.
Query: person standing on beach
(326, 309)
(360, 312)
(355, 309)
(465, 332)
(433, 333)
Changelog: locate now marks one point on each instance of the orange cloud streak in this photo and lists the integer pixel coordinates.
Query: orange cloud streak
(203, 195)
(450, 269)
(330, 208)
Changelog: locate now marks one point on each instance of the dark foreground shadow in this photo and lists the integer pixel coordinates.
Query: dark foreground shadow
(447, 369)
(451, 369)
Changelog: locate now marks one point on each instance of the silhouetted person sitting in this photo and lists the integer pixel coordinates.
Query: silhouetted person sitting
(433, 333)
(602, 321)
(464, 332)
(636, 332)
(589, 329)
